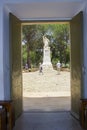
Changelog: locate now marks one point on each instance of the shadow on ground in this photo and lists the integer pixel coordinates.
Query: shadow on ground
(47, 121)
(46, 104)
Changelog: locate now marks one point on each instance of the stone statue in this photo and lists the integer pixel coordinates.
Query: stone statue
(46, 55)
(46, 42)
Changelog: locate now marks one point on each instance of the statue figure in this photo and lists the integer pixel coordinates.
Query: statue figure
(46, 42)
(46, 54)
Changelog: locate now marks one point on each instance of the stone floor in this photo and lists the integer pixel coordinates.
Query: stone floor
(47, 121)
(46, 103)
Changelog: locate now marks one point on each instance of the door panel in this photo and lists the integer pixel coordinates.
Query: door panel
(15, 61)
(76, 28)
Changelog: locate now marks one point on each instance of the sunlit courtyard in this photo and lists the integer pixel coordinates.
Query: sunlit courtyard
(47, 91)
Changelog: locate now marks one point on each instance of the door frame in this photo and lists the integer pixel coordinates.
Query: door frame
(44, 22)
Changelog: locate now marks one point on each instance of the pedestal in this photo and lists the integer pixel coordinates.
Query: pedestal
(47, 59)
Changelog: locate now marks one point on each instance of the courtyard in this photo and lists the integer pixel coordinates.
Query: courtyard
(49, 91)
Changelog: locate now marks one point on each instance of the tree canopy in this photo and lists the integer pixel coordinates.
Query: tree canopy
(58, 34)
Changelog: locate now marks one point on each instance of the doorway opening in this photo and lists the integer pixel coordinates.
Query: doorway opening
(50, 90)
(76, 33)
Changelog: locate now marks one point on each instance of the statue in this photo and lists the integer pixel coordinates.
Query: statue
(46, 42)
(46, 54)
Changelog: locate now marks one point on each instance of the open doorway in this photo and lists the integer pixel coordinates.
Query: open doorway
(76, 32)
(48, 90)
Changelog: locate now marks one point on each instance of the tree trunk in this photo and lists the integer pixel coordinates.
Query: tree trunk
(28, 56)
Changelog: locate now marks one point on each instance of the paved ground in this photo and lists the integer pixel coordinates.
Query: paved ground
(47, 92)
(47, 121)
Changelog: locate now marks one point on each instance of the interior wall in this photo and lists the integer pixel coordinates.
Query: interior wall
(6, 64)
(1, 55)
(4, 50)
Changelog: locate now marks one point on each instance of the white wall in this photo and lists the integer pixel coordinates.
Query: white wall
(13, 1)
(4, 49)
(6, 52)
(1, 56)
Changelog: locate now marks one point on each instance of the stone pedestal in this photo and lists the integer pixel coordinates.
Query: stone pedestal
(47, 65)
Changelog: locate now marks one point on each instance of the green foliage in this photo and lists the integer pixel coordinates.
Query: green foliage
(24, 55)
(61, 38)
(58, 34)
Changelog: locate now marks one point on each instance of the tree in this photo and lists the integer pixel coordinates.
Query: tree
(58, 34)
(32, 34)
(24, 54)
(60, 45)
(29, 37)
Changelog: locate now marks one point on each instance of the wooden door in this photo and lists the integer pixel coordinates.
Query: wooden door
(15, 62)
(76, 30)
